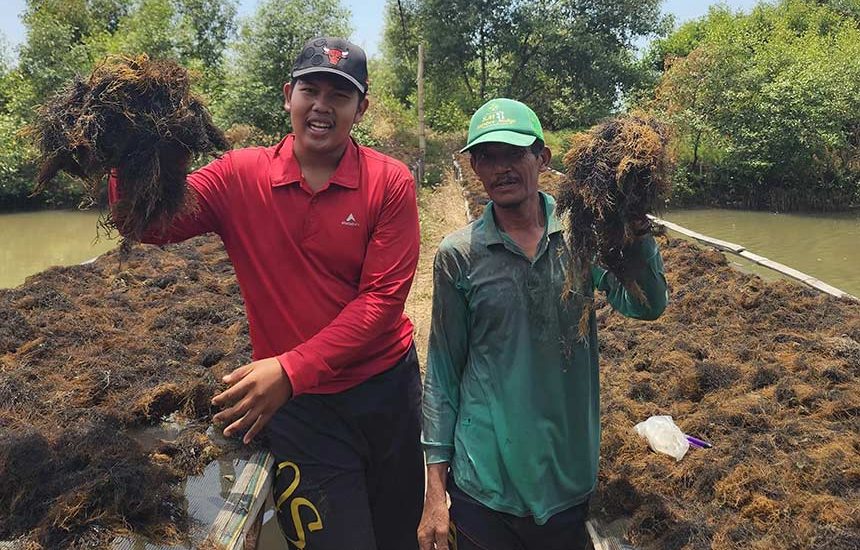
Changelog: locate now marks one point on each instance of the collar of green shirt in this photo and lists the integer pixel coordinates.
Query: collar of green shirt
(494, 234)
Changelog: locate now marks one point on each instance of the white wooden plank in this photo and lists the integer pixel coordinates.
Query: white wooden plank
(824, 287)
(758, 259)
(784, 269)
(718, 243)
(608, 536)
(752, 257)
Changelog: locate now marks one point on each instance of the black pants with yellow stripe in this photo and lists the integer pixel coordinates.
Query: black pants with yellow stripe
(350, 472)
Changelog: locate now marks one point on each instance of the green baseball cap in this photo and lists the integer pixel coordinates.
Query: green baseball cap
(503, 120)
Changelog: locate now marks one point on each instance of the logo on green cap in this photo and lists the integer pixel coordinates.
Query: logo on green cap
(494, 116)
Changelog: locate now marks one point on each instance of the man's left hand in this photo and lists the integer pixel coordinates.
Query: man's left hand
(257, 390)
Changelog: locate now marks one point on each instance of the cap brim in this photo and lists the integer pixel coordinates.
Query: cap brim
(501, 136)
(309, 70)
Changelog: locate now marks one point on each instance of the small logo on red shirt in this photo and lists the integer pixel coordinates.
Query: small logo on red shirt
(350, 221)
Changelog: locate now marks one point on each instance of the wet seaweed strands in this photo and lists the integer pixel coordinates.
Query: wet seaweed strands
(134, 115)
(617, 172)
(80, 486)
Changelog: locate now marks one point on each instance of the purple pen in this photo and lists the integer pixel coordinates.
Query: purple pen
(698, 442)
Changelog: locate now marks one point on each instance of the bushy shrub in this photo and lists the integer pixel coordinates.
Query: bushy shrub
(447, 117)
(766, 106)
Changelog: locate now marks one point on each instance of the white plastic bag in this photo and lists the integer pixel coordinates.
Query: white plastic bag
(664, 436)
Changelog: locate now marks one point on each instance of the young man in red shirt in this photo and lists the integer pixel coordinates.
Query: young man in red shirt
(323, 236)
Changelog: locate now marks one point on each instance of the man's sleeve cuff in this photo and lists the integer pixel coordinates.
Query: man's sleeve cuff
(303, 369)
(434, 454)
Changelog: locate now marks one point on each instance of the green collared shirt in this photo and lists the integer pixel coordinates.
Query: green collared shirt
(511, 395)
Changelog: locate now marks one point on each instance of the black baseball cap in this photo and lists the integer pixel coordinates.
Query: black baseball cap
(335, 56)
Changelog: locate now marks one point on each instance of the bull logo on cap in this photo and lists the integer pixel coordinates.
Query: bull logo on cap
(335, 55)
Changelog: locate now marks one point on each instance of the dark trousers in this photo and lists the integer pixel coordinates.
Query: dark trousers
(476, 527)
(350, 472)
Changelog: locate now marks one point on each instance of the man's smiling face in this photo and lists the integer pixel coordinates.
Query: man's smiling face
(322, 110)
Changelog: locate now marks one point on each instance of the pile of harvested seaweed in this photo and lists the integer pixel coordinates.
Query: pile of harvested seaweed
(767, 372)
(770, 374)
(617, 172)
(91, 354)
(137, 116)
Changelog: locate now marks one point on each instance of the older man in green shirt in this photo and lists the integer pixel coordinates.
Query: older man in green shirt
(511, 425)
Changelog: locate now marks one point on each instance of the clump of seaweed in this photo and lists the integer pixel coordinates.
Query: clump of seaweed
(138, 117)
(617, 172)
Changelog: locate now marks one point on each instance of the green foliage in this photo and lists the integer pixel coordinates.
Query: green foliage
(56, 49)
(447, 116)
(559, 143)
(396, 72)
(391, 125)
(13, 187)
(148, 29)
(567, 59)
(212, 24)
(363, 134)
(194, 32)
(689, 35)
(245, 135)
(66, 37)
(767, 107)
(268, 45)
(850, 8)
(17, 169)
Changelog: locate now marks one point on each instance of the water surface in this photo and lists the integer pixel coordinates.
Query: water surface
(826, 246)
(31, 242)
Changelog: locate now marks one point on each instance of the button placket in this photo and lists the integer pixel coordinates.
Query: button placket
(309, 226)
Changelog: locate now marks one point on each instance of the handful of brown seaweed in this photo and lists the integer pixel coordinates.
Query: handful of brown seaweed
(617, 172)
(134, 115)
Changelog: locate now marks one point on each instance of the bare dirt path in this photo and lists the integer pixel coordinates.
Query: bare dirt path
(442, 210)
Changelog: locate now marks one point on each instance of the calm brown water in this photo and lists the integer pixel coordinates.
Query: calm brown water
(31, 242)
(826, 246)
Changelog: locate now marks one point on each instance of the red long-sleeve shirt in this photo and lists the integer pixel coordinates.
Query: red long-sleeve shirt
(324, 275)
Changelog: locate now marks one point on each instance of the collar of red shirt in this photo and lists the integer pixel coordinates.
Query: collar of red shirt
(285, 167)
